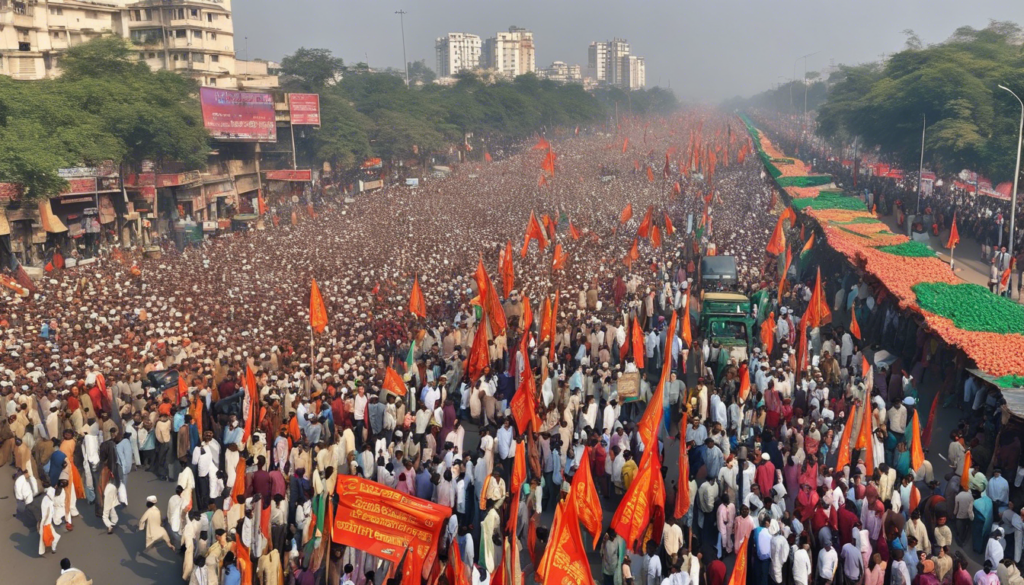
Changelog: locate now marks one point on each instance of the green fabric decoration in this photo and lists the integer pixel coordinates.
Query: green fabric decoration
(971, 307)
(909, 249)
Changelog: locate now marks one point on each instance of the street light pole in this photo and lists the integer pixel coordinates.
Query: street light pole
(401, 16)
(1016, 172)
(920, 169)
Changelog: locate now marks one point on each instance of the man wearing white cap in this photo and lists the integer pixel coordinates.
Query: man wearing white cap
(152, 523)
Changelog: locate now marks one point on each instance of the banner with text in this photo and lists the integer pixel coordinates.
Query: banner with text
(239, 115)
(304, 109)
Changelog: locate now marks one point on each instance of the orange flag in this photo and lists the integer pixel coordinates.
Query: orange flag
(634, 511)
(260, 201)
(954, 235)
(627, 213)
(854, 326)
(417, 304)
(487, 157)
(683, 491)
(865, 367)
(489, 300)
(575, 233)
(777, 244)
(583, 496)
(638, 345)
(545, 321)
(548, 164)
(789, 214)
(866, 441)
(507, 271)
(676, 189)
(916, 452)
(527, 314)
(625, 143)
(655, 237)
(915, 497)
(518, 468)
(818, 312)
(534, 232)
(565, 559)
(669, 228)
(739, 570)
(768, 334)
(965, 472)
(542, 144)
(844, 443)
(479, 358)
(394, 383)
(650, 174)
(524, 404)
(744, 375)
(542, 181)
(926, 436)
(317, 311)
(633, 255)
(558, 261)
(554, 325)
(645, 224)
(647, 428)
(685, 332)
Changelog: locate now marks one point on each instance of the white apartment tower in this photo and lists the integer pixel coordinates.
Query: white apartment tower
(193, 37)
(635, 74)
(597, 61)
(610, 62)
(457, 52)
(511, 53)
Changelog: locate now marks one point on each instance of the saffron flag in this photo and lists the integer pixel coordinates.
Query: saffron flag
(575, 233)
(250, 405)
(854, 326)
(558, 261)
(542, 144)
(683, 490)
(627, 213)
(527, 316)
(789, 214)
(545, 321)
(417, 304)
(394, 383)
(768, 334)
(317, 311)
(479, 358)
(548, 164)
(676, 189)
(744, 375)
(954, 235)
(669, 228)
(634, 511)
(489, 300)
(487, 157)
(583, 496)
(565, 559)
(633, 255)
(844, 443)
(655, 237)
(542, 181)
(645, 224)
(533, 232)
(817, 310)
(777, 244)
(807, 247)
(685, 332)
(650, 174)
(1005, 279)
(916, 452)
(638, 345)
(524, 404)
(965, 471)
(507, 271)
(625, 144)
(926, 436)
(866, 441)
(647, 428)
(739, 570)
(865, 367)
(456, 569)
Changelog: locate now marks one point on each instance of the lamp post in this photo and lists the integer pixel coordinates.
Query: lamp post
(401, 16)
(1016, 172)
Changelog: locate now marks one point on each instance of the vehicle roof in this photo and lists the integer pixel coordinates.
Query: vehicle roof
(726, 296)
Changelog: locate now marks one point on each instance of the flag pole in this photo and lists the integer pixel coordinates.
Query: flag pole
(951, 250)
(312, 358)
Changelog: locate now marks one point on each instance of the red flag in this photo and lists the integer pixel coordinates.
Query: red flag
(558, 261)
(534, 232)
(854, 326)
(633, 255)
(487, 157)
(456, 569)
(549, 226)
(844, 444)
(650, 174)
(768, 334)
(866, 441)
(548, 164)
(250, 404)
(417, 304)
(394, 383)
(676, 189)
(954, 235)
(625, 143)
(627, 213)
(777, 244)
(545, 321)
(916, 451)
(634, 511)
(669, 228)
(506, 269)
(965, 472)
(655, 237)
(683, 491)
(479, 358)
(575, 233)
(744, 375)
(638, 345)
(685, 331)
(518, 468)
(565, 559)
(527, 314)
(317, 311)
(489, 300)
(583, 496)
(262, 204)
(645, 224)
(542, 144)
(524, 404)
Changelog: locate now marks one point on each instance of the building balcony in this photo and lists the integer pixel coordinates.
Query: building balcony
(21, 16)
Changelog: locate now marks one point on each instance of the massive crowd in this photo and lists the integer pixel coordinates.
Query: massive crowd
(85, 407)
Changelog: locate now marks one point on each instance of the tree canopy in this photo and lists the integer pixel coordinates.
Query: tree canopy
(953, 86)
(106, 106)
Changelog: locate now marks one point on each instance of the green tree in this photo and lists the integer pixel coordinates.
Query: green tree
(311, 69)
(420, 72)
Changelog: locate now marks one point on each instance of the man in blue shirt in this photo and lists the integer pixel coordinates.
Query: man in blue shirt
(424, 484)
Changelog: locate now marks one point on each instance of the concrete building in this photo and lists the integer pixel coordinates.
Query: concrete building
(457, 52)
(634, 72)
(563, 73)
(610, 63)
(511, 53)
(192, 37)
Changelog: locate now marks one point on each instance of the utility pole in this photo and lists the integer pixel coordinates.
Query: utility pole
(401, 16)
(920, 169)
(1016, 174)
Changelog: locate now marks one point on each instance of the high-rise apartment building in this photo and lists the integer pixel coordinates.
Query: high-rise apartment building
(611, 63)
(192, 37)
(563, 73)
(635, 72)
(511, 53)
(597, 60)
(457, 52)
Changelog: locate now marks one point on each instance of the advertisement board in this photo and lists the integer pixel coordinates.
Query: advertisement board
(304, 109)
(299, 175)
(238, 115)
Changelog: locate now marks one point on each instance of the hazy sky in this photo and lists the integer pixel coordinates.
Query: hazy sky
(706, 50)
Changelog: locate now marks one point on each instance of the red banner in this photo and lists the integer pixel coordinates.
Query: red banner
(239, 115)
(372, 517)
(304, 109)
(297, 176)
(80, 186)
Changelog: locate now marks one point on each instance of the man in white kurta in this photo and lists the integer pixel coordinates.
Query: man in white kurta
(46, 520)
(152, 523)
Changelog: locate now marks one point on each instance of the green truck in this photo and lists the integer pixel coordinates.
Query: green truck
(725, 316)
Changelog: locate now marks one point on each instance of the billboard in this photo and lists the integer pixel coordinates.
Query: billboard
(304, 176)
(304, 109)
(239, 115)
